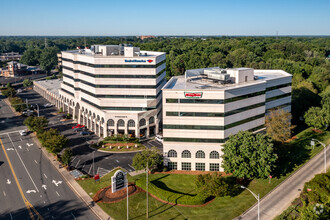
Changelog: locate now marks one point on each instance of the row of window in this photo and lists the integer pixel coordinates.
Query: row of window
(198, 166)
(213, 114)
(278, 97)
(214, 101)
(277, 107)
(213, 127)
(205, 140)
(122, 108)
(278, 87)
(131, 123)
(113, 76)
(66, 91)
(187, 154)
(113, 65)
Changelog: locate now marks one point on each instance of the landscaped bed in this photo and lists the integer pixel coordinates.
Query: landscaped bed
(119, 143)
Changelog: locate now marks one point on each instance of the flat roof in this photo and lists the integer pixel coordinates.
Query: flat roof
(88, 52)
(261, 76)
(52, 85)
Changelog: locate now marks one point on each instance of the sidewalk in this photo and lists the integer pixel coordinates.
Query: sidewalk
(76, 188)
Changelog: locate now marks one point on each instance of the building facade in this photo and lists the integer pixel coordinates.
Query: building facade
(205, 106)
(114, 89)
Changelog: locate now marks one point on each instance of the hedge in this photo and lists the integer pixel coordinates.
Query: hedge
(172, 197)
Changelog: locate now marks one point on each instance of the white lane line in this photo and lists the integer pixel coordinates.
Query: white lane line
(74, 217)
(45, 176)
(131, 166)
(35, 161)
(90, 169)
(77, 163)
(4, 193)
(84, 165)
(9, 132)
(20, 138)
(117, 161)
(23, 164)
(57, 193)
(73, 159)
(11, 217)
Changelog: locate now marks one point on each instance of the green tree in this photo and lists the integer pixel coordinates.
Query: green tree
(278, 125)
(315, 117)
(17, 103)
(52, 140)
(31, 56)
(66, 156)
(9, 92)
(27, 83)
(36, 124)
(153, 156)
(48, 58)
(248, 155)
(8, 85)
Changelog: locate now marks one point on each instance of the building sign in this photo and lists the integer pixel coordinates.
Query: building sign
(193, 95)
(118, 181)
(138, 61)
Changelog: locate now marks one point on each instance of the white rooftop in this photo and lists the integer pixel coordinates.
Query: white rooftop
(52, 85)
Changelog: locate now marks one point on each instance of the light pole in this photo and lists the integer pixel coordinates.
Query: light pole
(325, 152)
(93, 164)
(255, 196)
(38, 109)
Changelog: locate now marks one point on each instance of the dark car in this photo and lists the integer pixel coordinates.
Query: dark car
(77, 129)
(85, 133)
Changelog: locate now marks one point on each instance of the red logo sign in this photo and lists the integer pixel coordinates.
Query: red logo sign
(195, 95)
(270, 176)
(96, 177)
(149, 61)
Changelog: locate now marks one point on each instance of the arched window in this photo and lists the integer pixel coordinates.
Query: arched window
(121, 123)
(172, 153)
(214, 155)
(186, 154)
(151, 120)
(131, 123)
(200, 154)
(142, 122)
(111, 122)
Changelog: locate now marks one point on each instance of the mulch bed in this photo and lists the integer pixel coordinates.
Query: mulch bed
(317, 131)
(105, 195)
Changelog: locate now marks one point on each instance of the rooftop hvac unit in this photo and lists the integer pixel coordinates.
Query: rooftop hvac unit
(218, 75)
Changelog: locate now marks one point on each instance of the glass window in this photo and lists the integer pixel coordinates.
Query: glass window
(214, 167)
(172, 153)
(186, 154)
(111, 122)
(131, 123)
(151, 120)
(172, 113)
(172, 100)
(142, 122)
(185, 166)
(121, 123)
(172, 165)
(214, 155)
(200, 166)
(200, 154)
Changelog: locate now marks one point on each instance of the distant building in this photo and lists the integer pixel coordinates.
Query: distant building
(14, 69)
(59, 61)
(146, 37)
(202, 108)
(10, 56)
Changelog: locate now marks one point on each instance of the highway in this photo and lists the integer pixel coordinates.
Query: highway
(30, 187)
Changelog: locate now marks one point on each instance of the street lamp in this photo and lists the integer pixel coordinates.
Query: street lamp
(93, 164)
(255, 196)
(325, 152)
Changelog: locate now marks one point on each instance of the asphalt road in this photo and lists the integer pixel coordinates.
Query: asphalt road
(83, 154)
(278, 200)
(18, 79)
(40, 183)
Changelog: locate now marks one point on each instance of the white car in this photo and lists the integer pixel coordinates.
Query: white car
(23, 132)
(48, 105)
(159, 138)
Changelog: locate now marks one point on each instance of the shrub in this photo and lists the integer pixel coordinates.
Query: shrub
(52, 140)
(36, 124)
(8, 92)
(66, 156)
(17, 103)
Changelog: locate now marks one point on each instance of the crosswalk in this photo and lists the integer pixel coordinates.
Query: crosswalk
(102, 172)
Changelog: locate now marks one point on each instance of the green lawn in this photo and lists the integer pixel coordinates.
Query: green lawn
(294, 155)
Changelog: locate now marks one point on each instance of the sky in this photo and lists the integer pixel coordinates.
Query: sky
(166, 17)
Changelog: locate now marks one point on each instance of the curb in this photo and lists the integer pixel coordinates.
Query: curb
(110, 152)
(287, 179)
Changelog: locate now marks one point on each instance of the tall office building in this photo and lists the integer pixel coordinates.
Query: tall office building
(114, 89)
(203, 107)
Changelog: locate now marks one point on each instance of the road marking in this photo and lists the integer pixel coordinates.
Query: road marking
(84, 165)
(57, 193)
(4, 193)
(23, 164)
(131, 166)
(77, 163)
(10, 149)
(20, 147)
(56, 183)
(74, 217)
(90, 169)
(11, 217)
(44, 202)
(31, 191)
(117, 161)
(8, 181)
(9, 132)
(27, 149)
(20, 138)
(45, 176)
(44, 186)
(35, 161)
(73, 159)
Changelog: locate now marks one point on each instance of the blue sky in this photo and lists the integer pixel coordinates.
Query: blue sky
(166, 17)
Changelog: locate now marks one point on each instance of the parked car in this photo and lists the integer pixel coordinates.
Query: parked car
(78, 129)
(27, 112)
(48, 105)
(159, 138)
(78, 126)
(23, 132)
(86, 133)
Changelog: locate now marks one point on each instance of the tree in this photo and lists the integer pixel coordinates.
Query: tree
(248, 155)
(153, 156)
(315, 117)
(278, 125)
(36, 124)
(52, 140)
(31, 56)
(9, 92)
(48, 59)
(27, 83)
(66, 156)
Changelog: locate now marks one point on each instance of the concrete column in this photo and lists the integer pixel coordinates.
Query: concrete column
(137, 130)
(148, 129)
(79, 117)
(126, 127)
(115, 128)
(105, 130)
(157, 126)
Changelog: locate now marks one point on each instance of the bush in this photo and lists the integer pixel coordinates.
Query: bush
(17, 103)
(52, 140)
(66, 156)
(8, 92)
(36, 124)
(27, 83)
